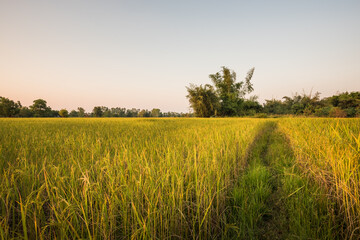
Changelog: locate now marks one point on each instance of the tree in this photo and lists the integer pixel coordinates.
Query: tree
(106, 112)
(251, 106)
(302, 104)
(40, 108)
(81, 112)
(226, 98)
(97, 111)
(8, 108)
(274, 106)
(25, 112)
(53, 113)
(231, 93)
(118, 112)
(63, 113)
(155, 112)
(323, 111)
(132, 112)
(73, 113)
(203, 100)
(349, 102)
(144, 113)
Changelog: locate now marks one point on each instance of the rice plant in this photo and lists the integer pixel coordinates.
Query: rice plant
(233, 178)
(118, 178)
(328, 150)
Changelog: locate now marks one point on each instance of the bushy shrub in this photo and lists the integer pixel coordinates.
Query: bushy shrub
(337, 112)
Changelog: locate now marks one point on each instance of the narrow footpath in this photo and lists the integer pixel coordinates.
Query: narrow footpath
(273, 200)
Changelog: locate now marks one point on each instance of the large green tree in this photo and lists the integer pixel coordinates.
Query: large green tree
(203, 100)
(155, 112)
(225, 98)
(97, 111)
(40, 108)
(231, 93)
(81, 112)
(8, 108)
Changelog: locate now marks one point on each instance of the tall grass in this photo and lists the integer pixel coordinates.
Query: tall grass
(250, 194)
(328, 150)
(178, 178)
(111, 178)
(273, 199)
(309, 212)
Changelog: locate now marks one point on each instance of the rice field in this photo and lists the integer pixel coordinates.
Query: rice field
(233, 178)
(328, 151)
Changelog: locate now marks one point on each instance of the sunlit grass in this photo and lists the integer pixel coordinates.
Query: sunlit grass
(328, 151)
(111, 178)
(273, 199)
(179, 178)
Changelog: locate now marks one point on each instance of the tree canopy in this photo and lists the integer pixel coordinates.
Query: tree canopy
(64, 113)
(203, 100)
(225, 98)
(8, 108)
(340, 105)
(40, 108)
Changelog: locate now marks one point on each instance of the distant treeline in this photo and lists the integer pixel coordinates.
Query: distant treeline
(9, 108)
(340, 105)
(226, 98)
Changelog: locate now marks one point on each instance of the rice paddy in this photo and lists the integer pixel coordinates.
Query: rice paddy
(233, 178)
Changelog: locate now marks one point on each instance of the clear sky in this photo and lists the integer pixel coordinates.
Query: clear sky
(142, 54)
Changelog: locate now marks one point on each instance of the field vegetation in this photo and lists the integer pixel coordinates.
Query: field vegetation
(105, 178)
(233, 178)
(328, 151)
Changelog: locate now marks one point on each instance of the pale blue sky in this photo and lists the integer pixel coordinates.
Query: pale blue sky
(143, 53)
